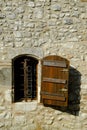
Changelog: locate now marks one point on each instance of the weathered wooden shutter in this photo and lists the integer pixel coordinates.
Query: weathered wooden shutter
(54, 88)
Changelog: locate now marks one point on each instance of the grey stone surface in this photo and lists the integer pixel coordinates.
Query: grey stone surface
(31, 4)
(68, 21)
(5, 77)
(38, 13)
(19, 10)
(39, 28)
(11, 16)
(2, 16)
(56, 7)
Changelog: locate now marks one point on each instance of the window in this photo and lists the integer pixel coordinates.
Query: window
(24, 78)
(53, 89)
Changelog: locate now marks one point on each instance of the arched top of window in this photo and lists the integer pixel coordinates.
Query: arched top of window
(24, 56)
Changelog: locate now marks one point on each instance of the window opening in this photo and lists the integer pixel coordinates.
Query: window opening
(25, 78)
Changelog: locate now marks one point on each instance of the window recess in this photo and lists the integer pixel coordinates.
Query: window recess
(24, 78)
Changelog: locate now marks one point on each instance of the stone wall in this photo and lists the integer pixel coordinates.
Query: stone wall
(40, 28)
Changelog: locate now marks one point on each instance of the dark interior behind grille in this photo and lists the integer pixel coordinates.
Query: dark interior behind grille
(25, 78)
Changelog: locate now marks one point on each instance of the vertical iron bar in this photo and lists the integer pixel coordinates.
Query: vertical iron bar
(31, 83)
(34, 82)
(25, 80)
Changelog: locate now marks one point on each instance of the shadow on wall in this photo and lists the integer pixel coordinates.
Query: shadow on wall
(74, 91)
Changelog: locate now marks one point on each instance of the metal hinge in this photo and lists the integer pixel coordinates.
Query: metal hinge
(64, 70)
(63, 90)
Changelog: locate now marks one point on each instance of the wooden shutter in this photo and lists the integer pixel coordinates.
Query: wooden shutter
(54, 88)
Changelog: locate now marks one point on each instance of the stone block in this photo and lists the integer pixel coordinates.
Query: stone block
(25, 106)
(19, 10)
(85, 58)
(1, 124)
(5, 77)
(56, 7)
(38, 13)
(19, 119)
(2, 16)
(68, 21)
(1, 31)
(19, 44)
(2, 115)
(8, 95)
(11, 16)
(18, 34)
(8, 8)
(31, 4)
(2, 108)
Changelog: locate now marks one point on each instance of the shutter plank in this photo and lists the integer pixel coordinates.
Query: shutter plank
(54, 80)
(53, 94)
(53, 102)
(59, 98)
(54, 63)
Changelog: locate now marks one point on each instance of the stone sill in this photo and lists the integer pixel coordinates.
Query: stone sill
(25, 106)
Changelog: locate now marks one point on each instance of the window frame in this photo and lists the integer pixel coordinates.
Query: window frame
(13, 80)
